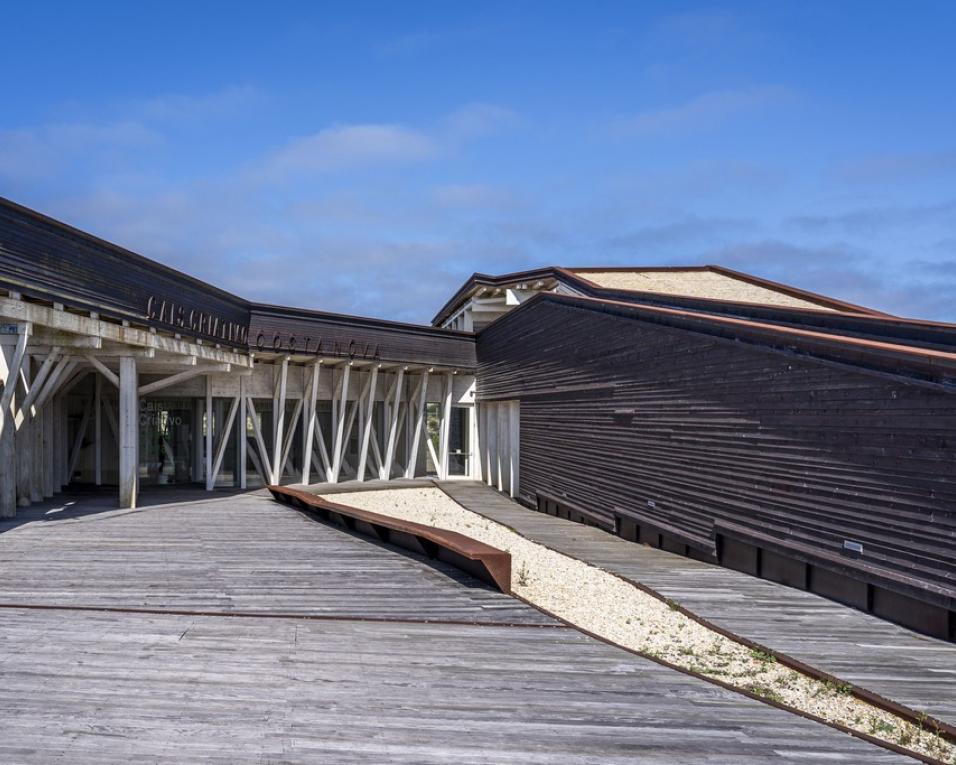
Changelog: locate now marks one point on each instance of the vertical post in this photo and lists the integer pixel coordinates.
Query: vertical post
(8, 463)
(208, 449)
(278, 416)
(385, 472)
(241, 432)
(36, 466)
(308, 432)
(367, 429)
(23, 441)
(197, 440)
(444, 439)
(48, 451)
(128, 431)
(98, 430)
(61, 439)
(340, 425)
(419, 426)
(491, 443)
(474, 444)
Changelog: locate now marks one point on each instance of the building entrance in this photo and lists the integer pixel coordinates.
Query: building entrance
(167, 441)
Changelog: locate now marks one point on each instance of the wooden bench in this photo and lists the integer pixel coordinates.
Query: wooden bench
(482, 561)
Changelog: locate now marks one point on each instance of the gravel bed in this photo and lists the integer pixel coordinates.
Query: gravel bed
(606, 605)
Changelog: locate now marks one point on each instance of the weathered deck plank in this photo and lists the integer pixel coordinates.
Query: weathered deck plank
(889, 660)
(489, 681)
(104, 688)
(238, 553)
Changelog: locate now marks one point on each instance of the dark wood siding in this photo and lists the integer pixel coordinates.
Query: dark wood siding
(676, 430)
(48, 260)
(327, 334)
(45, 259)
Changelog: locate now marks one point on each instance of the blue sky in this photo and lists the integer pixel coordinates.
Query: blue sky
(368, 158)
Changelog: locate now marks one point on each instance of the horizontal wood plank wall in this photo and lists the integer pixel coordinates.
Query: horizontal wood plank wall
(679, 431)
(46, 259)
(279, 329)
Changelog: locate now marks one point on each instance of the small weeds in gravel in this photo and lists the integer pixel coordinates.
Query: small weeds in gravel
(764, 657)
(764, 691)
(878, 725)
(905, 737)
(839, 689)
(524, 575)
(673, 605)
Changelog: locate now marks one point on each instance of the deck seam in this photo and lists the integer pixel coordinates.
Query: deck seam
(274, 615)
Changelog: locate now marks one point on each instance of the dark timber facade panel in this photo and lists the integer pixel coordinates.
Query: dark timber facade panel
(327, 334)
(46, 259)
(703, 442)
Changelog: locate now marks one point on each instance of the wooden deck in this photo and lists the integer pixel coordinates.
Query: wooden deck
(889, 660)
(486, 680)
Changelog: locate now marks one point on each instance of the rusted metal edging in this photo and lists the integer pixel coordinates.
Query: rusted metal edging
(275, 615)
(482, 561)
(737, 689)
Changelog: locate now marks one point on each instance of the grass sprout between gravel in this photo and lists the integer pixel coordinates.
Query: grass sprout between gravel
(608, 606)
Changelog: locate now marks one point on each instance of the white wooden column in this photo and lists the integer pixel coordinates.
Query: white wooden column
(393, 424)
(241, 433)
(36, 468)
(278, 420)
(308, 432)
(197, 466)
(367, 422)
(207, 451)
(8, 462)
(419, 425)
(23, 441)
(491, 443)
(48, 450)
(339, 425)
(128, 432)
(444, 438)
(474, 444)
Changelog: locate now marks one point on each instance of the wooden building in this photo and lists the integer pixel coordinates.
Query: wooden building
(119, 371)
(711, 413)
(777, 432)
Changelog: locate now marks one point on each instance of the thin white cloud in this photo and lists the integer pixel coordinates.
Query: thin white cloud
(350, 146)
(34, 153)
(702, 112)
(347, 147)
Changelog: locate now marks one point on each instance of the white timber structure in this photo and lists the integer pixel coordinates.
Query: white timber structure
(92, 401)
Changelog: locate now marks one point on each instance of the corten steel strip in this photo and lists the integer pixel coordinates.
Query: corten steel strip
(807, 715)
(482, 561)
(945, 730)
(278, 615)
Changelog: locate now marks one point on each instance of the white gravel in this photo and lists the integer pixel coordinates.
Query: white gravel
(606, 605)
